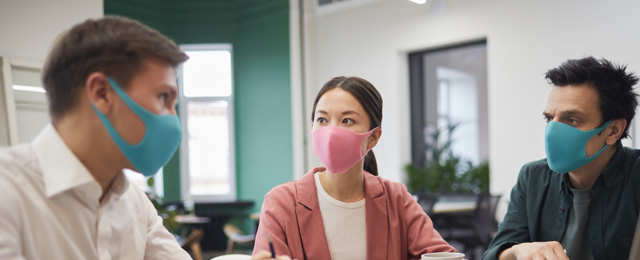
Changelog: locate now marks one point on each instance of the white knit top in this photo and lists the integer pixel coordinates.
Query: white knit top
(344, 225)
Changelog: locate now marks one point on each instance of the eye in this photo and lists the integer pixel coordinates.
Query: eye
(348, 121)
(164, 97)
(571, 121)
(321, 120)
(547, 118)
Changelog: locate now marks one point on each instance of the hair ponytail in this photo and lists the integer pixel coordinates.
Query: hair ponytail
(370, 163)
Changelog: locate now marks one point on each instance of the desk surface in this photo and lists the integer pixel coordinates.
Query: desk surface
(449, 207)
(192, 219)
(455, 203)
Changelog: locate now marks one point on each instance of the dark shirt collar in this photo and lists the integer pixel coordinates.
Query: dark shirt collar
(608, 174)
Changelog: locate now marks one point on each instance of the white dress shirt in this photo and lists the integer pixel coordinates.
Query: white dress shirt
(51, 209)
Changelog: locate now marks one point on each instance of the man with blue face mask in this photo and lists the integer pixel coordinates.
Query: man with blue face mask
(583, 200)
(112, 90)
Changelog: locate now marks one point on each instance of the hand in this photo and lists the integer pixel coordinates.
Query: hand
(535, 251)
(267, 255)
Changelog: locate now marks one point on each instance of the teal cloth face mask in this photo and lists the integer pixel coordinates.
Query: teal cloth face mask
(161, 139)
(565, 146)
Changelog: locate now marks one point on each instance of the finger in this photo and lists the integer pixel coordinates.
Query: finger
(550, 251)
(262, 255)
(547, 254)
(560, 253)
(283, 257)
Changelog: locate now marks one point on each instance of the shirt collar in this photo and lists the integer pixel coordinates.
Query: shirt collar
(613, 167)
(62, 170)
(120, 184)
(608, 174)
(308, 196)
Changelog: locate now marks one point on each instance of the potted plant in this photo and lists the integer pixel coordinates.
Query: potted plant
(167, 212)
(446, 172)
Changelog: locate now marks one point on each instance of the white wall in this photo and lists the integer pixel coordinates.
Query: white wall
(524, 40)
(28, 29)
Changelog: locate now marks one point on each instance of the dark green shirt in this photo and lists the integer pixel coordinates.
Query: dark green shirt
(541, 201)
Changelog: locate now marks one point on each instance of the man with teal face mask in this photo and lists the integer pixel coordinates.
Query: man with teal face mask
(583, 200)
(112, 90)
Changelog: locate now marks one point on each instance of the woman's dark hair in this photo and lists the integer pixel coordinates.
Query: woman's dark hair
(614, 85)
(369, 98)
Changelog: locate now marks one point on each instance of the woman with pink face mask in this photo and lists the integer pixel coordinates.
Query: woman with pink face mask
(344, 210)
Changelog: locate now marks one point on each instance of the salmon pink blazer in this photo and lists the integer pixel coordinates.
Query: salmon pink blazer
(397, 227)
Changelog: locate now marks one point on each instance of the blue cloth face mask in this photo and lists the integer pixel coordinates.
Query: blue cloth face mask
(565, 146)
(161, 139)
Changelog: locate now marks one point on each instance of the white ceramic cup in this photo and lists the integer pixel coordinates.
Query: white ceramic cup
(443, 256)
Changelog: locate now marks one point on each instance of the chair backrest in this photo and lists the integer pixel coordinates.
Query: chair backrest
(487, 205)
(427, 200)
(232, 257)
(482, 204)
(486, 216)
(235, 234)
(231, 230)
(494, 204)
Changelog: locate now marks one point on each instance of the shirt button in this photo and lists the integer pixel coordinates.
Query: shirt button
(561, 209)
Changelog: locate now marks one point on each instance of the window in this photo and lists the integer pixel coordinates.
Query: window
(449, 88)
(206, 111)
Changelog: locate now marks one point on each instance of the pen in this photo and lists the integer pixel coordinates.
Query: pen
(273, 252)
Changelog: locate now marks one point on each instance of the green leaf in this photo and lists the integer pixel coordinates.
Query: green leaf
(446, 172)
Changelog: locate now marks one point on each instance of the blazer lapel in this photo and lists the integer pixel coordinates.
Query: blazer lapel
(314, 241)
(377, 218)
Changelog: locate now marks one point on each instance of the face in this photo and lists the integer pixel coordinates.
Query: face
(338, 107)
(577, 106)
(155, 89)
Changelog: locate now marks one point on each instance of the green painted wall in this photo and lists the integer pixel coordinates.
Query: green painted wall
(259, 32)
(263, 98)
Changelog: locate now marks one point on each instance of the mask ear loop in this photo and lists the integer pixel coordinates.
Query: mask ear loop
(369, 133)
(604, 127)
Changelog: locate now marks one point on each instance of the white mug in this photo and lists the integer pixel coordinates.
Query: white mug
(443, 256)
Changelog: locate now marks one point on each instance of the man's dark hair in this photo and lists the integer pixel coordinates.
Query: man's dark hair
(616, 98)
(116, 46)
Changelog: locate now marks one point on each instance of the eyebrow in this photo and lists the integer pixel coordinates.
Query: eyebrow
(173, 90)
(348, 112)
(565, 113)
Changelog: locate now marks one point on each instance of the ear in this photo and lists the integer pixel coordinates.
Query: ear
(616, 129)
(99, 92)
(374, 138)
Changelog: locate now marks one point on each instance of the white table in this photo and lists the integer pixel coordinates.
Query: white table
(454, 203)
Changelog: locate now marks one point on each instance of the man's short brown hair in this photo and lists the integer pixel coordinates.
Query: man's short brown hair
(116, 46)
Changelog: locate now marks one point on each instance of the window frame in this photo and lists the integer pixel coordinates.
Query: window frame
(417, 81)
(185, 177)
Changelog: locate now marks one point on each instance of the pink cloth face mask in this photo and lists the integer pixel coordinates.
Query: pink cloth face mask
(339, 148)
